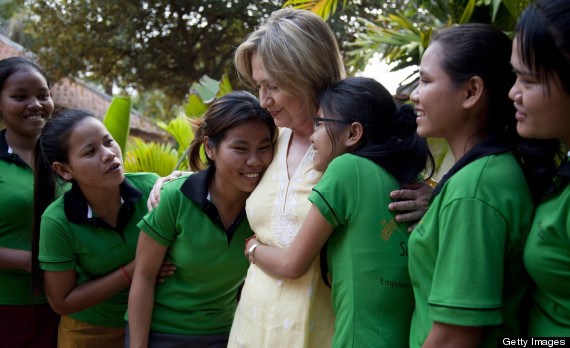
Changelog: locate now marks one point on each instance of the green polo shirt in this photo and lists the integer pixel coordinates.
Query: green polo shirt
(547, 259)
(72, 237)
(366, 254)
(16, 222)
(200, 298)
(465, 256)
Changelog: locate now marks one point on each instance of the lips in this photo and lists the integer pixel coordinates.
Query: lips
(35, 117)
(114, 167)
(252, 175)
(520, 115)
(275, 113)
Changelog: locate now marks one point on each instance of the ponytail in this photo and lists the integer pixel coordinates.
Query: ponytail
(52, 146)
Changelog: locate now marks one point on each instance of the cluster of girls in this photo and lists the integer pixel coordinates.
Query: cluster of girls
(302, 179)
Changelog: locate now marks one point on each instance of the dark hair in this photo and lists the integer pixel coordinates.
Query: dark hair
(9, 66)
(543, 38)
(389, 138)
(52, 146)
(225, 113)
(477, 49)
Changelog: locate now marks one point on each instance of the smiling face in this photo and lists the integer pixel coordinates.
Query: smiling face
(542, 109)
(325, 150)
(438, 100)
(287, 110)
(94, 158)
(241, 157)
(25, 102)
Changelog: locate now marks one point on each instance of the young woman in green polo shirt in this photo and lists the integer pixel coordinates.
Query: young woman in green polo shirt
(541, 60)
(201, 227)
(465, 256)
(85, 241)
(25, 107)
(366, 147)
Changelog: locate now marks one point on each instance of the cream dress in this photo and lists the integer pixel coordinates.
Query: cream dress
(275, 312)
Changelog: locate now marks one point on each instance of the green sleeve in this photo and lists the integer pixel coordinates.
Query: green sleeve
(56, 249)
(331, 194)
(468, 278)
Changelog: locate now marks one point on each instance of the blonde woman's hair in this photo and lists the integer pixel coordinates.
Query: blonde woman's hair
(297, 50)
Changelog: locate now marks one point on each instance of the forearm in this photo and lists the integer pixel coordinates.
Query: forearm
(15, 259)
(276, 262)
(88, 294)
(446, 335)
(141, 303)
(295, 260)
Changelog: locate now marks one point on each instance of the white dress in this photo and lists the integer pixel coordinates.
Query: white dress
(275, 312)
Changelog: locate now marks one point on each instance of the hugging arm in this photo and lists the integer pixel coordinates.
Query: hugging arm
(154, 196)
(66, 297)
(412, 202)
(294, 261)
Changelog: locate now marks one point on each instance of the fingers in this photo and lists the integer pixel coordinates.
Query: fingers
(411, 228)
(167, 269)
(403, 194)
(405, 206)
(154, 196)
(415, 196)
(412, 216)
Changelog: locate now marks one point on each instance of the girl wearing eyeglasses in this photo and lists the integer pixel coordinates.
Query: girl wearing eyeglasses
(367, 147)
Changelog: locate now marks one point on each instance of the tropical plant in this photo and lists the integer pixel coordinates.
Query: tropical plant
(151, 157)
(324, 8)
(117, 120)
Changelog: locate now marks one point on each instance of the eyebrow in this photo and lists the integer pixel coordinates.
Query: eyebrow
(243, 141)
(521, 72)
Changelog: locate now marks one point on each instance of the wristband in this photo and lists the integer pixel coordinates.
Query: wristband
(126, 274)
(251, 250)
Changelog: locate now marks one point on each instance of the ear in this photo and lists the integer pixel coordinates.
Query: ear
(208, 149)
(354, 134)
(475, 92)
(62, 170)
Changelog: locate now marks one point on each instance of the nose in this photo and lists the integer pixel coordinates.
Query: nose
(253, 159)
(108, 154)
(514, 93)
(265, 98)
(415, 96)
(34, 103)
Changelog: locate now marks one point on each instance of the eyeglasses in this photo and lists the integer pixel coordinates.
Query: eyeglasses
(316, 121)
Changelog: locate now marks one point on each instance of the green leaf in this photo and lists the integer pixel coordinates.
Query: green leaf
(117, 120)
(468, 12)
(324, 8)
(181, 130)
(195, 106)
(151, 157)
(207, 88)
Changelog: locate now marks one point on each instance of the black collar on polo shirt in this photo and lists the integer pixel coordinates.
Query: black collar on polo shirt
(491, 145)
(77, 210)
(7, 156)
(196, 188)
(561, 178)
